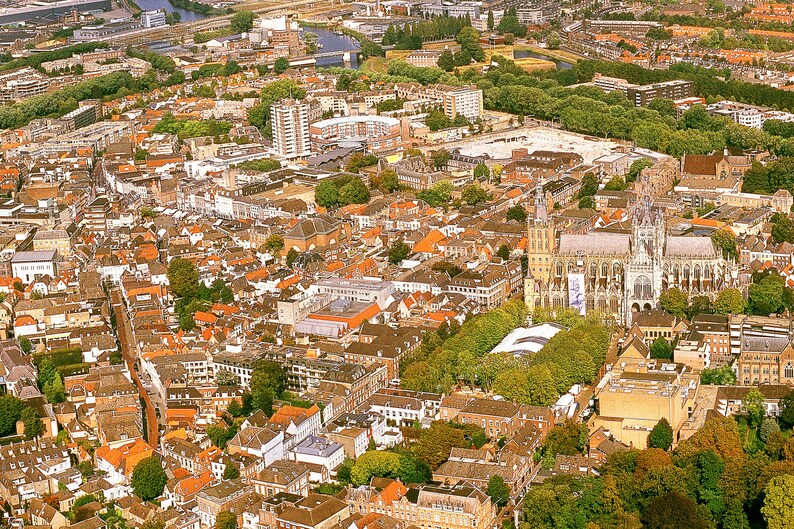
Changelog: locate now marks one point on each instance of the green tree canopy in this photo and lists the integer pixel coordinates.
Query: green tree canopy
(268, 382)
(661, 349)
(753, 406)
(474, 195)
(148, 479)
(729, 301)
(517, 213)
(242, 21)
(398, 251)
(674, 301)
(281, 65)
(661, 435)
(778, 508)
(498, 490)
(183, 277)
(226, 520)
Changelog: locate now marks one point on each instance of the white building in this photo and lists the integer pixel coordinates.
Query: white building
(319, 451)
(291, 119)
(465, 100)
(31, 266)
(152, 19)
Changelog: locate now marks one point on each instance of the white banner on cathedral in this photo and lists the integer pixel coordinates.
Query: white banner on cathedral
(576, 292)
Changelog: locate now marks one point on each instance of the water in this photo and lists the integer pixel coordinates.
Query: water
(561, 65)
(333, 42)
(153, 5)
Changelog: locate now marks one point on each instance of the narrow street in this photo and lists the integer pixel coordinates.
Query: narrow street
(126, 339)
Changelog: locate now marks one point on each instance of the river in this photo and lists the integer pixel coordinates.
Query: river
(333, 42)
(561, 65)
(153, 5)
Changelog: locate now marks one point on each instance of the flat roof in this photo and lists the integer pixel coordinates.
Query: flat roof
(32, 256)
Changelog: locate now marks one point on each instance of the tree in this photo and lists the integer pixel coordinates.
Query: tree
(661, 349)
(778, 508)
(753, 406)
(231, 471)
(503, 252)
(674, 301)
(370, 49)
(490, 20)
(587, 202)
(661, 435)
(268, 381)
(440, 158)
(55, 391)
(32, 422)
(183, 277)
(398, 251)
(787, 410)
(766, 296)
(292, 254)
(359, 161)
(481, 171)
(326, 194)
(768, 426)
(10, 412)
(729, 301)
(725, 241)
(517, 213)
(354, 192)
(47, 372)
(553, 40)
(390, 465)
(226, 520)
(719, 376)
(242, 21)
(148, 479)
(616, 184)
(446, 61)
(274, 244)
(673, 511)
(589, 185)
(498, 490)
(474, 195)
(435, 443)
(281, 65)
(389, 181)
(782, 228)
(224, 377)
(25, 345)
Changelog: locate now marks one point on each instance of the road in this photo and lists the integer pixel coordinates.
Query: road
(128, 352)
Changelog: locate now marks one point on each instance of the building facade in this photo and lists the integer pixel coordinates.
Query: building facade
(621, 273)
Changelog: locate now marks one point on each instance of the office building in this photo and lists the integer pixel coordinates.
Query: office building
(465, 101)
(152, 19)
(678, 89)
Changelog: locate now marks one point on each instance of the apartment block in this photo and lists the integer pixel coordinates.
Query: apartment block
(465, 101)
(291, 121)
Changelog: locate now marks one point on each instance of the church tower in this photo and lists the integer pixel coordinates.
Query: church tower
(540, 239)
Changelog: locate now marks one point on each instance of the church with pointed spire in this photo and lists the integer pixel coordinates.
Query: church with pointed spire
(620, 270)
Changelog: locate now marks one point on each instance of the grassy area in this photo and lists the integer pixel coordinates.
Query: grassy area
(529, 63)
(374, 65)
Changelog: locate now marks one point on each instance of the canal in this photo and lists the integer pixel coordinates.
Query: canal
(327, 41)
(561, 65)
(153, 5)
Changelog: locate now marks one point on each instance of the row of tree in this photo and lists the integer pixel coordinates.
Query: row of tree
(441, 363)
